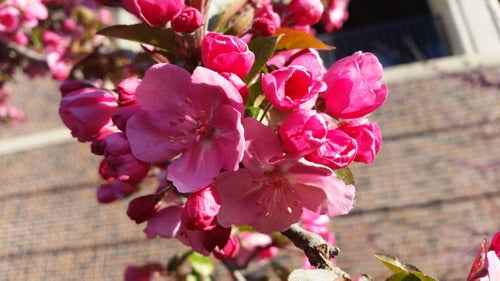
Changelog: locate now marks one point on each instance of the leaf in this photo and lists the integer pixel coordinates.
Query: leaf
(143, 33)
(394, 264)
(345, 175)
(263, 48)
(201, 264)
(295, 39)
(410, 276)
(177, 260)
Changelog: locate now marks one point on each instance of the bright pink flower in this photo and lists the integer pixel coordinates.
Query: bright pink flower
(289, 87)
(193, 120)
(263, 26)
(303, 132)
(154, 12)
(305, 12)
(120, 163)
(226, 53)
(33, 10)
(20, 38)
(9, 19)
(201, 209)
(142, 208)
(367, 135)
(255, 241)
(59, 65)
(110, 192)
(337, 152)
(238, 83)
(270, 192)
(266, 11)
(354, 86)
(87, 111)
(143, 273)
(188, 20)
(335, 15)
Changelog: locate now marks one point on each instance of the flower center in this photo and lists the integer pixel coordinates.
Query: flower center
(196, 125)
(277, 192)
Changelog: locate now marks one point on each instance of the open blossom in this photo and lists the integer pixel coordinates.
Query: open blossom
(154, 12)
(193, 120)
(226, 53)
(9, 19)
(270, 192)
(354, 87)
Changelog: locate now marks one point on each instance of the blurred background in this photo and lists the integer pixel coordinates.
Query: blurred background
(430, 197)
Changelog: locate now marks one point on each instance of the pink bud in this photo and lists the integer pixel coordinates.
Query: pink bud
(201, 209)
(108, 193)
(354, 87)
(229, 251)
(87, 111)
(154, 12)
(9, 19)
(367, 135)
(142, 208)
(226, 53)
(305, 12)
(121, 164)
(188, 20)
(126, 90)
(302, 132)
(337, 152)
(335, 15)
(289, 87)
(20, 38)
(264, 26)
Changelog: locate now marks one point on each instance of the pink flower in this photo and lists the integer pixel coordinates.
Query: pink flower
(335, 15)
(337, 152)
(201, 209)
(120, 163)
(252, 242)
(164, 223)
(305, 12)
(229, 251)
(486, 266)
(302, 132)
(9, 19)
(367, 135)
(354, 86)
(193, 120)
(270, 192)
(288, 87)
(263, 26)
(188, 20)
(154, 12)
(87, 111)
(226, 53)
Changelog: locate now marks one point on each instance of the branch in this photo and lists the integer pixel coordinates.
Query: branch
(314, 246)
(26, 52)
(235, 272)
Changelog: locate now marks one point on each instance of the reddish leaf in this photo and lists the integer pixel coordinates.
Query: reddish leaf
(296, 39)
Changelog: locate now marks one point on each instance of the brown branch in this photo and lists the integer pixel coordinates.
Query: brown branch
(26, 52)
(314, 246)
(233, 269)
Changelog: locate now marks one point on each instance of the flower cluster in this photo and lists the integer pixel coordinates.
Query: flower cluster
(45, 36)
(241, 128)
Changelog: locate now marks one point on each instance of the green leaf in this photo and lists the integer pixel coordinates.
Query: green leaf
(142, 33)
(410, 276)
(394, 264)
(345, 175)
(295, 39)
(263, 48)
(201, 265)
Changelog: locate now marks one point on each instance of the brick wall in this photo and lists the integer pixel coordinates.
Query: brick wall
(430, 197)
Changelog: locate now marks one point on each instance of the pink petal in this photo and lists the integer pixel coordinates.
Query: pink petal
(228, 137)
(164, 223)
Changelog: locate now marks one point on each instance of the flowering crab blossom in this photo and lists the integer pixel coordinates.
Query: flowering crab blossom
(270, 192)
(192, 120)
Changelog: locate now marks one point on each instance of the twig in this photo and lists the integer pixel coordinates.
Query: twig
(25, 52)
(235, 272)
(314, 246)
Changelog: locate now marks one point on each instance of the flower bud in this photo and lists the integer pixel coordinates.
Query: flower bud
(226, 53)
(367, 135)
(305, 12)
(154, 13)
(108, 193)
(142, 208)
(337, 152)
(264, 26)
(302, 132)
(354, 87)
(188, 20)
(229, 251)
(201, 209)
